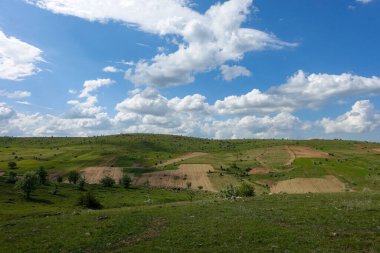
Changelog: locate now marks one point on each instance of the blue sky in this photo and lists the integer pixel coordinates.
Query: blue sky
(218, 69)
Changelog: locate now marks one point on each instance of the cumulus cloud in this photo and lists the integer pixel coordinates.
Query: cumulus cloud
(300, 91)
(362, 117)
(206, 41)
(6, 112)
(232, 72)
(15, 94)
(111, 69)
(18, 59)
(92, 85)
(23, 102)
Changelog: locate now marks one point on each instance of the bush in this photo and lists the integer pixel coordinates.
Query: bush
(246, 190)
(107, 181)
(81, 183)
(12, 165)
(28, 183)
(59, 179)
(42, 174)
(12, 178)
(88, 200)
(230, 193)
(126, 181)
(73, 177)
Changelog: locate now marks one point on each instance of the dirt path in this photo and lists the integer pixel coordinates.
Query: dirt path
(305, 185)
(181, 158)
(292, 156)
(194, 173)
(259, 171)
(93, 175)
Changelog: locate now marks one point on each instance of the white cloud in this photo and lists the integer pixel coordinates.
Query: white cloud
(362, 117)
(6, 112)
(15, 94)
(299, 92)
(364, 1)
(23, 102)
(71, 91)
(18, 59)
(206, 41)
(93, 85)
(111, 69)
(232, 72)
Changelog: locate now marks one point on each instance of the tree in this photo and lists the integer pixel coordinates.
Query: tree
(73, 176)
(12, 165)
(28, 183)
(246, 190)
(88, 200)
(188, 185)
(107, 181)
(126, 181)
(42, 174)
(12, 178)
(81, 183)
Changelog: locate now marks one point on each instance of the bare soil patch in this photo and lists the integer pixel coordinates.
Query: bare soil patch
(93, 175)
(181, 158)
(305, 185)
(292, 156)
(259, 171)
(376, 150)
(53, 176)
(194, 173)
(307, 152)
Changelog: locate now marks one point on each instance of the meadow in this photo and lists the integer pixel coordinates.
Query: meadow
(179, 218)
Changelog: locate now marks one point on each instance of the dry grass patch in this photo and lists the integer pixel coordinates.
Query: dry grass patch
(376, 150)
(93, 175)
(305, 185)
(194, 173)
(307, 152)
(181, 158)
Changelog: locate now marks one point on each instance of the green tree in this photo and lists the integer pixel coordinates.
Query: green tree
(126, 181)
(12, 178)
(246, 190)
(42, 174)
(28, 183)
(73, 176)
(12, 165)
(107, 181)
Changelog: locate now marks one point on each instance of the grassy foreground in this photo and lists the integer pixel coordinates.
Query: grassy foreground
(143, 219)
(346, 222)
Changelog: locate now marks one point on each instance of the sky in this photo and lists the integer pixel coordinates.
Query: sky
(214, 69)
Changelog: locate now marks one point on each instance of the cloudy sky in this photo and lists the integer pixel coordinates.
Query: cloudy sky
(216, 69)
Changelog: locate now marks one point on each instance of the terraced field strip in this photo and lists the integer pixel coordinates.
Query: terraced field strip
(181, 158)
(305, 185)
(93, 175)
(194, 173)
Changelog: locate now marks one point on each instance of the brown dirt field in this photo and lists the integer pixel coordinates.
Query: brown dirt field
(307, 152)
(292, 156)
(93, 175)
(305, 185)
(181, 158)
(259, 171)
(376, 149)
(53, 176)
(194, 173)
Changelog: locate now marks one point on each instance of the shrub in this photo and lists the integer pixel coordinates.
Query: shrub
(28, 183)
(73, 177)
(81, 183)
(54, 191)
(246, 190)
(126, 181)
(59, 179)
(12, 178)
(42, 174)
(12, 165)
(230, 193)
(107, 181)
(88, 200)
(188, 185)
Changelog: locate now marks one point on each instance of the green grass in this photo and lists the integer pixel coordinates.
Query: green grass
(160, 220)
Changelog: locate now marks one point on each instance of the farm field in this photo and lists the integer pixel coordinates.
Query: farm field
(184, 195)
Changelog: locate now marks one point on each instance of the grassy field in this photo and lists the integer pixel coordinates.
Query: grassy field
(146, 219)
